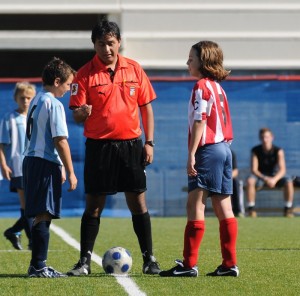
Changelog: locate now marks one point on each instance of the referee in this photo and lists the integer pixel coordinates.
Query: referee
(108, 95)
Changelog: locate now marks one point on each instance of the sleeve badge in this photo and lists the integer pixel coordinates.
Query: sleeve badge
(74, 89)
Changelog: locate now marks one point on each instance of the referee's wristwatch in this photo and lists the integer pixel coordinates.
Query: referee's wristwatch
(150, 143)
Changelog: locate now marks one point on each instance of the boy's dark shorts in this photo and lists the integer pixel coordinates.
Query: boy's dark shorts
(113, 166)
(16, 183)
(42, 187)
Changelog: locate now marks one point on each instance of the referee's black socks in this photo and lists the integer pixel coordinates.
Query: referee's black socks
(89, 231)
(142, 229)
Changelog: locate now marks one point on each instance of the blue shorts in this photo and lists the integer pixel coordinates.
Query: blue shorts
(15, 184)
(42, 187)
(214, 168)
(260, 182)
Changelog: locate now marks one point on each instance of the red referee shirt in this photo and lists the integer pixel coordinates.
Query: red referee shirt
(115, 112)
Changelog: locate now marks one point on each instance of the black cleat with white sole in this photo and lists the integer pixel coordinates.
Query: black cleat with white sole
(14, 238)
(151, 266)
(180, 271)
(80, 269)
(225, 271)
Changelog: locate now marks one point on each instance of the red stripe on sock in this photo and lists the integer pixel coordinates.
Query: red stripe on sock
(194, 231)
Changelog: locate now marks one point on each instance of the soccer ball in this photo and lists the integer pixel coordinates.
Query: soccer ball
(117, 260)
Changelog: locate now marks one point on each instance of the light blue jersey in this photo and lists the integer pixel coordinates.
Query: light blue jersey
(46, 120)
(12, 135)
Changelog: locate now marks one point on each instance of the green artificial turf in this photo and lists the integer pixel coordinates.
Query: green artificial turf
(268, 251)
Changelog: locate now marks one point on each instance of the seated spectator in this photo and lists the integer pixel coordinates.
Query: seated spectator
(268, 170)
(235, 197)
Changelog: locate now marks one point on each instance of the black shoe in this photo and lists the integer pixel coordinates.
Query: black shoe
(14, 238)
(251, 212)
(224, 271)
(80, 268)
(151, 266)
(288, 212)
(180, 270)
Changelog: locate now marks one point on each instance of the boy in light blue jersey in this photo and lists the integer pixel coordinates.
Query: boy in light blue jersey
(12, 139)
(47, 162)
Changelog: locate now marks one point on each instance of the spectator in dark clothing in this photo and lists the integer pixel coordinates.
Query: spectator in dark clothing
(268, 170)
(235, 197)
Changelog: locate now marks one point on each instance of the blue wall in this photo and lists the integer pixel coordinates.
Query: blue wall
(253, 103)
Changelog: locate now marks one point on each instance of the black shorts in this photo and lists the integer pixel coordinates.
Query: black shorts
(113, 166)
(42, 187)
(16, 183)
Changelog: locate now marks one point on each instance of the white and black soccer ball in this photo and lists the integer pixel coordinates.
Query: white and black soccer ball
(117, 260)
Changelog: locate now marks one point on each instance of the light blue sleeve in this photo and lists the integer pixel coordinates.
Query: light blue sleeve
(58, 121)
(5, 137)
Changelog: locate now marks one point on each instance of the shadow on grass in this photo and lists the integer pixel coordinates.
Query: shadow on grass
(130, 275)
(5, 275)
(272, 249)
(26, 276)
(93, 275)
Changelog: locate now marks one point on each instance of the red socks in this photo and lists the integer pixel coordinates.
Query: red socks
(194, 231)
(228, 236)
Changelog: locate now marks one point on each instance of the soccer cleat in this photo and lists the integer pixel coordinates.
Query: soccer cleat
(239, 215)
(225, 271)
(252, 214)
(80, 268)
(180, 271)
(151, 266)
(45, 272)
(14, 238)
(288, 212)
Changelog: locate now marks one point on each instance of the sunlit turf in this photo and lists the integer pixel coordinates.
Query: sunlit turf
(268, 257)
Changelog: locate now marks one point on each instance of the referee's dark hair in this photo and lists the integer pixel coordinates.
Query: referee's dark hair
(103, 28)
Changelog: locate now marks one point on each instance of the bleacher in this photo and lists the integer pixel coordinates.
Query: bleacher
(167, 175)
(255, 35)
(269, 201)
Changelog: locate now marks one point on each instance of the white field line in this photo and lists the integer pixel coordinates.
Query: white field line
(126, 282)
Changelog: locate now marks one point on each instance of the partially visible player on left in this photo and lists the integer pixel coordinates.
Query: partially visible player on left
(47, 162)
(12, 139)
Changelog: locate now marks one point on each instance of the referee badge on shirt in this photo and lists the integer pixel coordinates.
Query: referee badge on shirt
(132, 91)
(74, 89)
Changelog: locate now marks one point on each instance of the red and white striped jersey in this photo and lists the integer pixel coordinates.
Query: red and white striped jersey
(209, 102)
